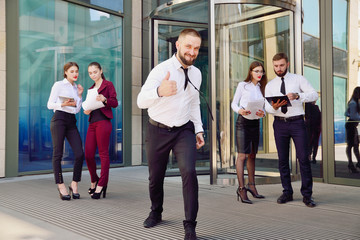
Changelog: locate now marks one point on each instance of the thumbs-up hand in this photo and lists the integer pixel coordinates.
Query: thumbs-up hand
(167, 87)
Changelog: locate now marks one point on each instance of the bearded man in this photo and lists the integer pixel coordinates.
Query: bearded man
(289, 124)
(173, 105)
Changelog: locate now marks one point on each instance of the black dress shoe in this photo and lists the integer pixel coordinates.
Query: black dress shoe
(190, 236)
(189, 227)
(284, 198)
(309, 202)
(152, 220)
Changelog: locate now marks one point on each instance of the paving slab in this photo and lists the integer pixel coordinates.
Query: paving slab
(30, 208)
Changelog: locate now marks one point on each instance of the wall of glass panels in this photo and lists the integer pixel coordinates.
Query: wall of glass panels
(311, 46)
(343, 89)
(51, 33)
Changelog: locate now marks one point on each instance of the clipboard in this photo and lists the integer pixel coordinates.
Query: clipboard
(276, 98)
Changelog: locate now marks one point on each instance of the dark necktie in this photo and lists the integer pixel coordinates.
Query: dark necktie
(187, 80)
(186, 77)
(282, 90)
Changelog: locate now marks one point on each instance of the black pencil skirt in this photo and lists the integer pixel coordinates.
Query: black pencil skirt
(247, 135)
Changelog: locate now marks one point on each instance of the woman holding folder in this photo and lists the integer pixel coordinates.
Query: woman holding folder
(249, 94)
(65, 100)
(98, 134)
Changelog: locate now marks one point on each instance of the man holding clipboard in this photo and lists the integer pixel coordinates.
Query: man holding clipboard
(285, 95)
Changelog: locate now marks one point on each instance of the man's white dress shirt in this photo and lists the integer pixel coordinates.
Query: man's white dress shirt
(174, 110)
(294, 83)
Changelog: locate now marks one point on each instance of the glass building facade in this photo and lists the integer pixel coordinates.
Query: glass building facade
(50, 34)
(321, 38)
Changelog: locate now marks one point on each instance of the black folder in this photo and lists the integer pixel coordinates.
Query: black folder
(276, 98)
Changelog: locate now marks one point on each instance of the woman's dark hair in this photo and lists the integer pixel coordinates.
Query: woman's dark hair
(96, 64)
(356, 96)
(263, 80)
(69, 65)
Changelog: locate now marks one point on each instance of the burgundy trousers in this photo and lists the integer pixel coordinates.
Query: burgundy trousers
(98, 136)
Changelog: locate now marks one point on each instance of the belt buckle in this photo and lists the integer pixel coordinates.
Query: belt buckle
(285, 119)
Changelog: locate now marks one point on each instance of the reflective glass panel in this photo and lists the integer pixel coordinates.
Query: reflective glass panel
(191, 11)
(346, 89)
(245, 33)
(311, 50)
(115, 5)
(53, 32)
(340, 62)
(340, 24)
(311, 23)
(311, 43)
(167, 36)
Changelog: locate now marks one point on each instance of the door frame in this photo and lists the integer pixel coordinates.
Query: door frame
(227, 64)
(295, 62)
(155, 36)
(154, 61)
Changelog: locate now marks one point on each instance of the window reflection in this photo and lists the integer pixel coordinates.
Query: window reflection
(51, 33)
(311, 43)
(346, 73)
(115, 5)
(238, 43)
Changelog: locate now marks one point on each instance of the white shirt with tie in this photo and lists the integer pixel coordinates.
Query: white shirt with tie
(178, 109)
(294, 83)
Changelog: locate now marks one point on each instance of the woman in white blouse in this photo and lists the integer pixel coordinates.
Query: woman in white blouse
(248, 127)
(65, 100)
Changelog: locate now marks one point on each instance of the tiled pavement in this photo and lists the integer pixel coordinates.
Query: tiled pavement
(30, 209)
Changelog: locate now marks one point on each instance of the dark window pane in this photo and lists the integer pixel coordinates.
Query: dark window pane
(311, 50)
(340, 62)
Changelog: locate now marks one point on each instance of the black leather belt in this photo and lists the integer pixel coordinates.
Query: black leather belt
(289, 119)
(160, 125)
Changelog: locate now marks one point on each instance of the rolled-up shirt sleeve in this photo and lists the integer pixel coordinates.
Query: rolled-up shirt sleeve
(235, 104)
(308, 93)
(54, 94)
(148, 93)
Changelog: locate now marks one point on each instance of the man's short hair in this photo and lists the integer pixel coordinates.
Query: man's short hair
(280, 56)
(189, 31)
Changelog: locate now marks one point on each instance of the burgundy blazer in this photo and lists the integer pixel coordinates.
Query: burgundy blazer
(108, 90)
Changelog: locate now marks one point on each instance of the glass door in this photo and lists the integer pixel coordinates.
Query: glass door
(165, 37)
(245, 33)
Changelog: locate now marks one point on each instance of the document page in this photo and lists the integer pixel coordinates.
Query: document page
(90, 103)
(253, 107)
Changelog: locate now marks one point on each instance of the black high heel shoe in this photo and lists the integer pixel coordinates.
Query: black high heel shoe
(92, 190)
(96, 195)
(357, 165)
(74, 195)
(252, 192)
(352, 168)
(64, 197)
(238, 191)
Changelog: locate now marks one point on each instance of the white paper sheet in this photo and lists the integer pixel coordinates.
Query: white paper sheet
(253, 107)
(90, 103)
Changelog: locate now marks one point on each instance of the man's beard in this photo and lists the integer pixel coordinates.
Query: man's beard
(282, 74)
(186, 62)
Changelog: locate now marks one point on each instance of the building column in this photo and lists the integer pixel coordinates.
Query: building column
(3, 87)
(136, 58)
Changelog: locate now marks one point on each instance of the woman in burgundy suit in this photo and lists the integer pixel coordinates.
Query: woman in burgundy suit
(98, 134)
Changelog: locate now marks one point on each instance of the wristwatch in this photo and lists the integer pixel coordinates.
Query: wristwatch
(297, 96)
(104, 102)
